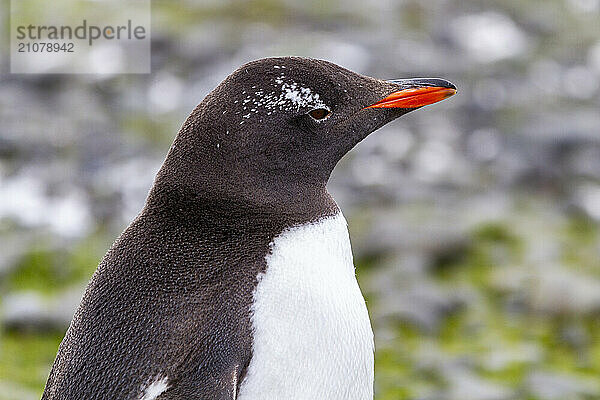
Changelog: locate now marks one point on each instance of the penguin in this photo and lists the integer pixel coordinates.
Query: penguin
(236, 279)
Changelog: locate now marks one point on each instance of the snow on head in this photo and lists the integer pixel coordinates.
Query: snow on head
(301, 96)
(290, 96)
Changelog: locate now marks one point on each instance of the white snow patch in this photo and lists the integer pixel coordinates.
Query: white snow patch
(290, 96)
(24, 199)
(166, 92)
(489, 37)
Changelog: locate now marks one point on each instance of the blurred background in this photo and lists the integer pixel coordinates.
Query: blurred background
(474, 222)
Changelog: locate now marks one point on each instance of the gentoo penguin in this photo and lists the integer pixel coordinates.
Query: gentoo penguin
(236, 279)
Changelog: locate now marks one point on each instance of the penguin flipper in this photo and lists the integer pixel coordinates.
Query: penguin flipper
(224, 386)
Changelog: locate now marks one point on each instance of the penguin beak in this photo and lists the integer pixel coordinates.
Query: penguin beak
(416, 93)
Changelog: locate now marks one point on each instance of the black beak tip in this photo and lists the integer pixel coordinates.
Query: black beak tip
(421, 82)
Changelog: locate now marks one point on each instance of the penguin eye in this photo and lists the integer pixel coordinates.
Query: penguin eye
(319, 113)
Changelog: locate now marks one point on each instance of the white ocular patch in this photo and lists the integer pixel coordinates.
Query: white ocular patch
(291, 96)
(312, 335)
(154, 389)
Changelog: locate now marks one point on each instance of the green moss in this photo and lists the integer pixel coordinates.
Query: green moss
(48, 270)
(40, 269)
(26, 358)
(579, 244)
(157, 133)
(397, 378)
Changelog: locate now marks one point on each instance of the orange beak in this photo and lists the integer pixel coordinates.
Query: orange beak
(416, 96)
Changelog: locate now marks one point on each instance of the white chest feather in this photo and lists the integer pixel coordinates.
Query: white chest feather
(312, 334)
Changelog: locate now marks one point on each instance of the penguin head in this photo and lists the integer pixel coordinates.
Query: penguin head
(286, 122)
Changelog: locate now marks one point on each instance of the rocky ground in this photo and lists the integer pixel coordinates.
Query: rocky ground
(474, 222)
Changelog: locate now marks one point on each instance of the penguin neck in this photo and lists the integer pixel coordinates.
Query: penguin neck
(203, 172)
(209, 189)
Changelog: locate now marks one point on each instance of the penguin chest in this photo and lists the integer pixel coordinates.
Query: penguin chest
(312, 334)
